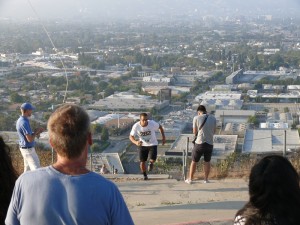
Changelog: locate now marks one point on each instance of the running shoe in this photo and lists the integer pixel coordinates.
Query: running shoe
(188, 181)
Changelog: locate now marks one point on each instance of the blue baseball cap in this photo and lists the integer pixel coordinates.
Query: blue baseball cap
(27, 106)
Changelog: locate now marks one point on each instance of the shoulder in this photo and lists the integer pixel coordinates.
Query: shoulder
(137, 124)
(153, 123)
(195, 119)
(34, 175)
(103, 183)
(201, 117)
(21, 120)
(211, 116)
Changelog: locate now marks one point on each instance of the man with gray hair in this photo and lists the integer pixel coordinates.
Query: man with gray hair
(67, 192)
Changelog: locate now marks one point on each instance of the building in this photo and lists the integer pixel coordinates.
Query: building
(250, 76)
(281, 118)
(270, 141)
(234, 116)
(156, 89)
(214, 100)
(234, 77)
(127, 101)
(157, 79)
(235, 129)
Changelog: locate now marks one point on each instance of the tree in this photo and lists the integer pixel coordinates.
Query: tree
(15, 97)
(96, 128)
(253, 120)
(104, 134)
(95, 147)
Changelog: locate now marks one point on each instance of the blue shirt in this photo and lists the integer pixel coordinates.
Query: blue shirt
(46, 196)
(23, 128)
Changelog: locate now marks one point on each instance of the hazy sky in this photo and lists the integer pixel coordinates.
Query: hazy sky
(132, 8)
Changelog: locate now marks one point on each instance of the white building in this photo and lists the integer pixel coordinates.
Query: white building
(269, 125)
(157, 79)
(214, 100)
(267, 141)
(128, 101)
(234, 116)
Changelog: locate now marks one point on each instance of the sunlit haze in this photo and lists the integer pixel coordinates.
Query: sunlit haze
(134, 9)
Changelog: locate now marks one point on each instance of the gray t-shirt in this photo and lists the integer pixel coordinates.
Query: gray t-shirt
(206, 134)
(46, 196)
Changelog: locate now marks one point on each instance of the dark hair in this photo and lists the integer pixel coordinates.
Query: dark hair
(201, 108)
(274, 193)
(8, 177)
(143, 115)
(69, 127)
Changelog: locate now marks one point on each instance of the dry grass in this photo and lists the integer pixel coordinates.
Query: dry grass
(45, 157)
(234, 166)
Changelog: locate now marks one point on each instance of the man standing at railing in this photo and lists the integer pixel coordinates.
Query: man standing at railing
(204, 127)
(26, 138)
(147, 141)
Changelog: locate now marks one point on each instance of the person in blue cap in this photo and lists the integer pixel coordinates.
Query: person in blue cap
(26, 138)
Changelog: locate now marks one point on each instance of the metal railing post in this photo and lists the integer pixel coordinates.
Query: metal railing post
(185, 153)
(183, 164)
(284, 143)
(187, 150)
(52, 154)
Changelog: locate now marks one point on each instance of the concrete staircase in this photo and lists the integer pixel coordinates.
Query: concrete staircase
(165, 201)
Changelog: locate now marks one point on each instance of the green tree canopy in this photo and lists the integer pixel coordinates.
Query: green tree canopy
(104, 134)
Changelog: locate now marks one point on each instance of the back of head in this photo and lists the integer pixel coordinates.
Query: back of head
(201, 108)
(69, 127)
(274, 189)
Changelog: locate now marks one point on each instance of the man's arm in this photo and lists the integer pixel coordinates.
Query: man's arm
(120, 214)
(136, 142)
(31, 137)
(12, 212)
(195, 130)
(161, 130)
(195, 127)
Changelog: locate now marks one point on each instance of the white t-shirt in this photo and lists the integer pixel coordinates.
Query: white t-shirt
(146, 134)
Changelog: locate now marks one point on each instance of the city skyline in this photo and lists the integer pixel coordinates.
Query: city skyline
(134, 9)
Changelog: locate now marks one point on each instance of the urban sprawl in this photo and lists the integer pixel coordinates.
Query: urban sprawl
(244, 70)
